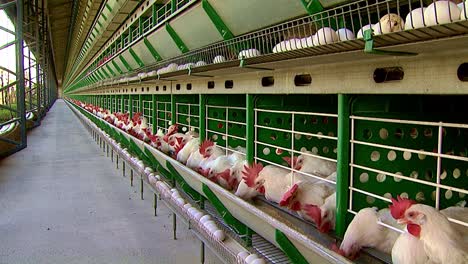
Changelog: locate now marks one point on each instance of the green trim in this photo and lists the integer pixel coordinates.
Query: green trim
(130, 105)
(175, 37)
(117, 67)
(289, 249)
(217, 21)
(173, 109)
(173, 6)
(105, 73)
(108, 7)
(250, 127)
(124, 62)
(151, 49)
(136, 58)
(312, 6)
(110, 69)
(182, 183)
(342, 180)
(235, 224)
(104, 16)
(161, 170)
(202, 117)
(99, 23)
(154, 115)
(369, 47)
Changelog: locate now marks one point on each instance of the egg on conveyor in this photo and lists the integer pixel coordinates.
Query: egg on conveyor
(391, 23)
(198, 215)
(219, 234)
(251, 258)
(200, 63)
(243, 254)
(307, 42)
(258, 261)
(219, 59)
(180, 201)
(360, 33)
(325, 35)
(464, 11)
(205, 218)
(447, 12)
(414, 19)
(172, 67)
(294, 44)
(187, 206)
(280, 47)
(345, 34)
(248, 53)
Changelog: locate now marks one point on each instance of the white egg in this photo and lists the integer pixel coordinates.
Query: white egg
(180, 201)
(293, 44)
(243, 254)
(307, 42)
(249, 53)
(157, 177)
(219, 234)
(447, 12)
(171, 67)
(148, 170)
(174, 190)
(414, 19)
(360, 33)
(251, 258)
(205, 218)
(175, 196)
(219, 59)
(200, 63)
(258, 261)
(345, 34)
(325, 35)
(464, 11)
(187, 206)
(198, 215)
(191, 209)
(212, 229)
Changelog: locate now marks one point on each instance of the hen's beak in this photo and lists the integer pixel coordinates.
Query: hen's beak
(402, 221)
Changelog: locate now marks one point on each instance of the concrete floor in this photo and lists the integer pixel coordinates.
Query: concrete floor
(63, 201)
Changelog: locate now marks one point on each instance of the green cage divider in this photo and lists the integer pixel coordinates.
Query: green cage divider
(202, 116)
(289, 249)
(182, 183)
(186, 110)
(370, 118)
(225, 120)
(302, 113)
(244, 231)
(146, 106)
(154, 115)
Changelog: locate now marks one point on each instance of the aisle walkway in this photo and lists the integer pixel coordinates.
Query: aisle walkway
(62, 201)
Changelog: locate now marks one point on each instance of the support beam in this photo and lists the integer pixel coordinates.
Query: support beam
(136, 58)
(152, 50)
(217, 21)
(175, 37)
(124, 62)
(117, 67)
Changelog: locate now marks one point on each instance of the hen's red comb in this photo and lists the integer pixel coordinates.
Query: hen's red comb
(251, 173)
(314, 212)
(288, 160)
(287, 197)
(399, 206)
(205, 144)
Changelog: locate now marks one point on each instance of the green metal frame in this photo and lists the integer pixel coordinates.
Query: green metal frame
(369, 47)
(136, 58)
(177, 40)
(152, 50)
(222, 28)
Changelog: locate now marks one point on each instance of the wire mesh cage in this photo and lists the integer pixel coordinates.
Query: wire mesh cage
(415, 147)
(126, 104)
(293, 125)
(147, 107)
(226, 122)
(163, 111)
(187, 111)
(135, 105)
(119, 104)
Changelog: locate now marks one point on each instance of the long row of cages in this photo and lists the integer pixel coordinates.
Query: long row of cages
(413, 146)
(335, 30)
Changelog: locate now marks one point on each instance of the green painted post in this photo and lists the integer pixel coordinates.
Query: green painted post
(130, 105)
(125, 63)
(154, 114)
(140, 103)
(117, 67)
(173, 109)
(122, 106)
(202, 116)
(151, 49)
(217, 21)
(136, 58)
(175, 37)
(250, 133)
(342, 181)
(173, 6)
